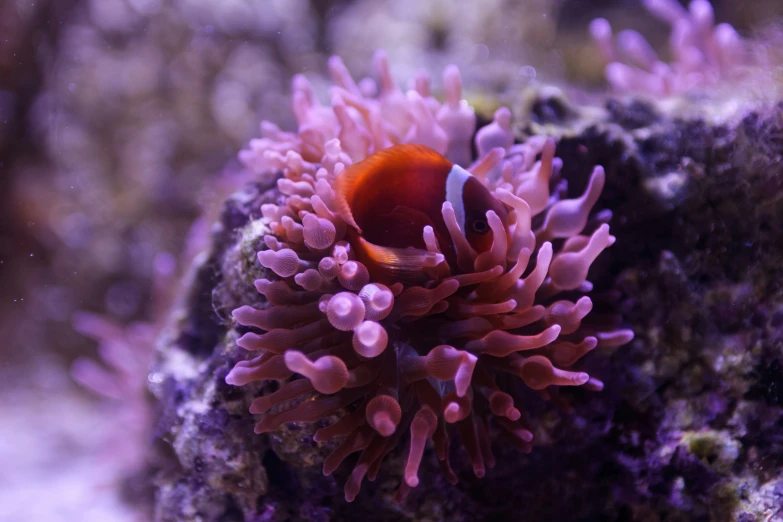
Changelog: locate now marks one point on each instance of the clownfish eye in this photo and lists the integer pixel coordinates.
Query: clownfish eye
(479, 226)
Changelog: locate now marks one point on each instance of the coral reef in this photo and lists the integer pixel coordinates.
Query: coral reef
(686, 427)
(117, 115)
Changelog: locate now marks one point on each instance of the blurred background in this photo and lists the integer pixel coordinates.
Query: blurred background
(120, 121)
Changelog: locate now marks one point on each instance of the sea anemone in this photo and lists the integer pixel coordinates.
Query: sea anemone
(403, 360)
(120, 378)
(120, 373)
(703, 52)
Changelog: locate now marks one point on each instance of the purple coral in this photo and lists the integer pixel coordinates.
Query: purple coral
(407, 361)
(703, 52)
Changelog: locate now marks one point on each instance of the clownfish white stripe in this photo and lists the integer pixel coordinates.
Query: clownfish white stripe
(455, 184)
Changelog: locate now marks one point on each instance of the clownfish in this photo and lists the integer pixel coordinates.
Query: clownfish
(388, 198)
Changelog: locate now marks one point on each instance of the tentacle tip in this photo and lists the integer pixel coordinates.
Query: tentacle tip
(247, 341)
(594, 385)
(552, 333)
(412, 481)
(451, 286)
(451, 413)
(294, 360)
(599, 27)
(581, 378)
(384, 425)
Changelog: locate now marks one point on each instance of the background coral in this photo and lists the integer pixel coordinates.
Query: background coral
(703, 53)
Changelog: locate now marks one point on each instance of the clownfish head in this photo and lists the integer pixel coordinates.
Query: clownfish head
(472, 201)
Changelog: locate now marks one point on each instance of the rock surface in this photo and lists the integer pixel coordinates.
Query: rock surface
(688, 427)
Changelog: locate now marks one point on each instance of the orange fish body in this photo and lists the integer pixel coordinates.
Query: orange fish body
(392, 195)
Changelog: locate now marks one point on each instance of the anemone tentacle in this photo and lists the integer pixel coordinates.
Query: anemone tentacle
(413, 359)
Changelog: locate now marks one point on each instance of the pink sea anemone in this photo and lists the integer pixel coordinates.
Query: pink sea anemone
(405, 361)
(120, 373)
(120, 378)
(703, 52)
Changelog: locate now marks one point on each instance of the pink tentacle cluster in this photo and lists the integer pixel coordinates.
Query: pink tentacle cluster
(120, 376)
(126, 352)
(703, 52)
(408, 361)
(365, 124)
(119, 349)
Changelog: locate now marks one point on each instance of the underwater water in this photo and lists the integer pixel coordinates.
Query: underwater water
(236, 287)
